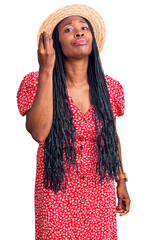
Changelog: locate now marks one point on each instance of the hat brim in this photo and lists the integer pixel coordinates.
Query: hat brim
(76, 9)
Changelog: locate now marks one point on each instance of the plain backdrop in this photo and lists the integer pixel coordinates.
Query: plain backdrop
(123, 58)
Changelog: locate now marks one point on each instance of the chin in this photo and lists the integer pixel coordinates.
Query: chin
(81, 53)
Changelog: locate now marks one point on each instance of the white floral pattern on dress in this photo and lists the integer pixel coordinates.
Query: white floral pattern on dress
(83, 211)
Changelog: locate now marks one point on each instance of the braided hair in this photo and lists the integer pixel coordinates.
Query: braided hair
(62, 136)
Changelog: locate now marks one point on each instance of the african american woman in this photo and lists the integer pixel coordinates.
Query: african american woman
(71, 108)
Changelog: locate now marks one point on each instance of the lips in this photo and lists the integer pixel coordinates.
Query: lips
(80, 41)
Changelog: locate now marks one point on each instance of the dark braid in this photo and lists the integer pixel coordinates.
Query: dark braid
(62, 136)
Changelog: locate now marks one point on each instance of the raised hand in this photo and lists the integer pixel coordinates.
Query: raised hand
(46, 52)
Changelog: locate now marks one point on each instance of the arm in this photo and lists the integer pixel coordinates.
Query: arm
(119, 148)
(122, 193)
(39, 117)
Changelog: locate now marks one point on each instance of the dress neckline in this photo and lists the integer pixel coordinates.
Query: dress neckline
(84, 115)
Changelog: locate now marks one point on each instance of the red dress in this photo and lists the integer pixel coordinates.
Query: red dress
(83, 211)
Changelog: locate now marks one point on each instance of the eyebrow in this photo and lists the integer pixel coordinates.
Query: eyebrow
(71, 23)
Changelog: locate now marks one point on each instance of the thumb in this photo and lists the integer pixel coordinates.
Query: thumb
(119, 204)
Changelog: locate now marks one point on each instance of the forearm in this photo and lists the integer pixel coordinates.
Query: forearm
(39, 117)
(121, 165)
(119, 148)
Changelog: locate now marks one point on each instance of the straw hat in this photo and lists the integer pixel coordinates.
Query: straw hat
(76, 9)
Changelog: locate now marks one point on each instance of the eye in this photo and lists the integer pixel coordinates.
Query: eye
(67, 29)
(85, 27)
(71, 29)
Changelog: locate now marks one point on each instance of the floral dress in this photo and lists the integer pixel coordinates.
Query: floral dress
(83, 211)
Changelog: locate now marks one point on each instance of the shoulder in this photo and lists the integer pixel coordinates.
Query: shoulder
(27, 92)
(111, 82)
(114, 86)
(116, 94)
(28, 83)
(31, 78)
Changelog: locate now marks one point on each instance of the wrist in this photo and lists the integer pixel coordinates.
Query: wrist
(121, 182)
(121, 177)
(45, 70)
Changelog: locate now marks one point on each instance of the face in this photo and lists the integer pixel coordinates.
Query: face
(70, 30)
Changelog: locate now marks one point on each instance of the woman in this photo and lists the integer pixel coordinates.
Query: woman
(71, 108)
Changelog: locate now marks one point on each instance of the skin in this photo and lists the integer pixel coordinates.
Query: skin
(39, 117)
(122, 193)
(76, 59)
(75, 64)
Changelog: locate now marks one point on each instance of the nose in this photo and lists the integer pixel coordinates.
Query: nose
(79, 34)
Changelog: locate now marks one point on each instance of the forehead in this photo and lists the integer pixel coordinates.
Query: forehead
(70, 19)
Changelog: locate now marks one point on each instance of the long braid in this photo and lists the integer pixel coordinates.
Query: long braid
(62, 136)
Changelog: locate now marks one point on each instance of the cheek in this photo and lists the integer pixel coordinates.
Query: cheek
(66, 47)
(91, 39)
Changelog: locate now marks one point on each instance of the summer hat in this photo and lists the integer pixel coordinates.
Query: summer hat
(76, 9)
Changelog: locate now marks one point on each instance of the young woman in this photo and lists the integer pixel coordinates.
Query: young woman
(71, 108)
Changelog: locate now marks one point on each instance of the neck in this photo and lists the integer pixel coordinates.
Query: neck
(76, 72)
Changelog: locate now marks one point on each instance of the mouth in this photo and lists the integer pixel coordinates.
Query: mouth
(80, 41)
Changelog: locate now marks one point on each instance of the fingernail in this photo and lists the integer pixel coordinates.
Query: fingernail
(119, 208)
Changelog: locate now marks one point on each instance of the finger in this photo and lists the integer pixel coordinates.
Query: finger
(127, 205)
(41, 45)
(124, 213)
(119, 204)
(118, 209)
(46, 40)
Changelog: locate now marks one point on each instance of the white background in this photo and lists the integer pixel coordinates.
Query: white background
(123, 58)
